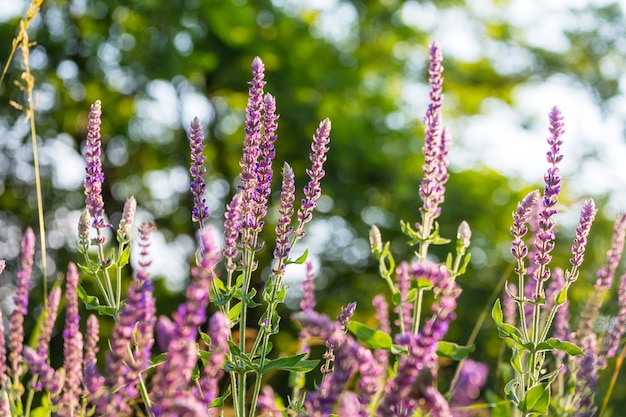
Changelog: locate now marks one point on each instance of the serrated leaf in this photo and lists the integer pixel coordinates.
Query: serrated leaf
(536, 401)
(374, 339)
(453, 351)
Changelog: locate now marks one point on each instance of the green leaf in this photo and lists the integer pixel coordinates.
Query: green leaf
(453, 351)
(124, 257)
(290, 363)
(423, 283)
(516, 360)
(235, 312)
(466, 261)
(92, 303)
(561, 297)
(301, 259)
(506, 331)
(536, 401)
(509, 391)
(374, 339)
(396, 299)
(499, 407)
(556, 344)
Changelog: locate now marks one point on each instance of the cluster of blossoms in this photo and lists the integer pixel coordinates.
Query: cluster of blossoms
(364, 371)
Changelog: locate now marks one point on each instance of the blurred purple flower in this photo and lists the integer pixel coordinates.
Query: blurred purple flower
(472, 378)
(308, 288)
(616, 332)
(586, 378)
(95, 177)
(51, 380)
(200, 211)
(47, 324)
(72, 345)
(16, 320)
(266, 157)
(403, 284)
(219, 331)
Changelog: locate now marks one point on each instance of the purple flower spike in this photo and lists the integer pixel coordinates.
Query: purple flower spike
(521, 217)
(308, 289)
(312, 191)
(587, 215)
(91, 340)
(587, 378)
(614, 335)
(3, 352)
(219, 330)
(472, 378)
(562, 329)
(266, 155)
(47, 324)
(232, 226)
(544, 239)
(198, 187)
(95, 177)
(613, 256)
(72, 344)
(51, 380)
(436, 141)
(251, 145)
(283, 228)
(128, 215)
(16, 321)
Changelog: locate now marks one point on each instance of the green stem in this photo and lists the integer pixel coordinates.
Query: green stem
(618, 366)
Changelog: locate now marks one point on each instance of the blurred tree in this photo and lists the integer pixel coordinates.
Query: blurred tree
(157, 64)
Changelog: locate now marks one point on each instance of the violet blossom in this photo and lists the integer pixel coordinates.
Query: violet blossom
(421, 347)
(16, 320)
(47, 325)
(587, 215)
(285, 211)
(219, 331)
(614, 335)
(200, 210)
(544, 239)
(232, 227)
(472, 378)
(312, 190)
(587, 378)
(95, 177)
(72, 345)
(436, 141)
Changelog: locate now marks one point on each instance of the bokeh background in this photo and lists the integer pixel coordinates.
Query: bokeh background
(157, 64)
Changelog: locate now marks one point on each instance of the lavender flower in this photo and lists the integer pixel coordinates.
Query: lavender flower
(369, 384)
(266, 155)
(91, 340)
(5, 407)
(587, 215)
(219, 331)
(312, 190)
(95, 177)
(605, 279)
(128, 214)
(346, 312)
(403, 284)
(349, 405)
(436, 141)
(606, 274)
(83, 231)
(47, 323)
(198, 187)
(251, 148)
(51, 380)
(4, 379)
(381, 309)
(283, 230)
(16, 321)
(172, 381)
(562, 329)
(614, 335)
(519, 229)
(544, 240)
(587, 378)
(472, 377)
(266, 404)
(232, 226)
(72, 344)
(422, 347)
(308, 288)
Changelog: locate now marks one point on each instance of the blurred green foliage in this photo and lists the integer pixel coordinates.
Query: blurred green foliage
(156, 64)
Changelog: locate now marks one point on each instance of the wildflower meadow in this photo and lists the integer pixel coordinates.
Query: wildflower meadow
(214, 355)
